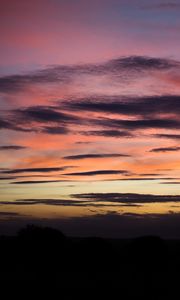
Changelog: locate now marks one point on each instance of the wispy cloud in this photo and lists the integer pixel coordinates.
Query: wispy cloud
(98, 155)
(34, 170)
(165, 149)
(167, 136)
(128, 197)
(138, 124)
(98, 172)
(37, 181)
(11, 147)
(66, 74)
(57, 202)
(98, 200)
(108, 133)
(138, 106)
(44, 114)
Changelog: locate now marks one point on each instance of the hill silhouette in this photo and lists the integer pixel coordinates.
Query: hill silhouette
(44, 257)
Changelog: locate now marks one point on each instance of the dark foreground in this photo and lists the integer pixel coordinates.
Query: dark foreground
(45, 261)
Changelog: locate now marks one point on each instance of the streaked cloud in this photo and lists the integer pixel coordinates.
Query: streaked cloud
(168, 136)
(107, 133)
(62, 74)
(11, 147)
(127, 198)
(34, 170)
(165, 149)
(97, 155)
(98, 172)
(36, 181)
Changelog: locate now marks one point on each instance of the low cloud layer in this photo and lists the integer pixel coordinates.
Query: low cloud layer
(98, 200)
(128, 198)
(110, 225)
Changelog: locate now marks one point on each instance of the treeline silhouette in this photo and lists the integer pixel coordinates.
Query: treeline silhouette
(42, 256)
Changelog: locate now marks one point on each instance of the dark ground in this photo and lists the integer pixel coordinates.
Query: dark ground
(44, 260)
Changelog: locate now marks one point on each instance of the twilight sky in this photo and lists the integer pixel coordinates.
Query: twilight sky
(90, 116)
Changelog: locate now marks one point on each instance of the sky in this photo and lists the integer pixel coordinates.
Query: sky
(89, 116)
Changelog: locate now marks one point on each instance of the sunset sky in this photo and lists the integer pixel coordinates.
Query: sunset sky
(90, 116)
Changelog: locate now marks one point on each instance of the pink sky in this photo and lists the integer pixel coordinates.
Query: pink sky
(89, 101)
